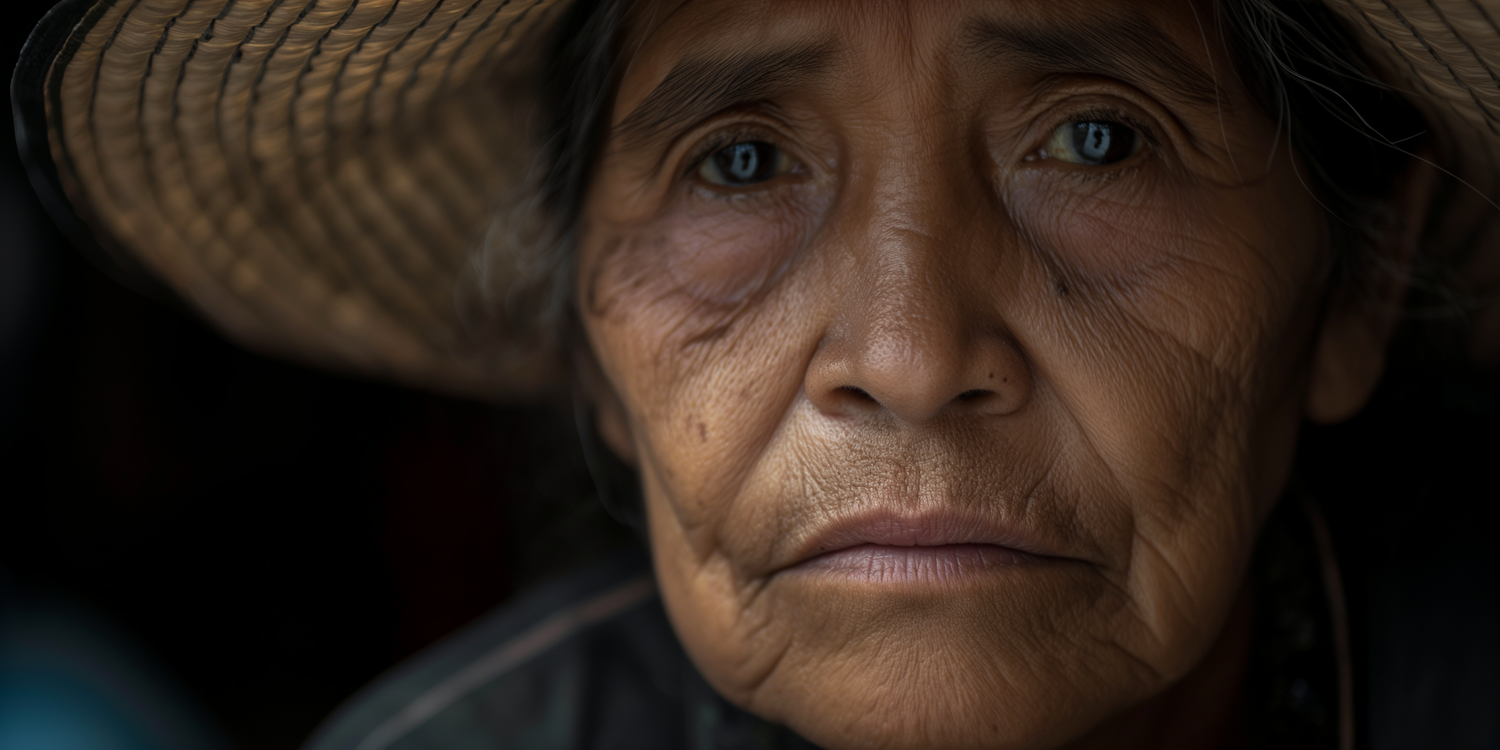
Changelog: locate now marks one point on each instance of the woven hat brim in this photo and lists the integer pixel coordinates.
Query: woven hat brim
(313, 175)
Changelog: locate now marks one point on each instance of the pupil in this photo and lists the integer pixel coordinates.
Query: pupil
(745, 163)
(1102, 142)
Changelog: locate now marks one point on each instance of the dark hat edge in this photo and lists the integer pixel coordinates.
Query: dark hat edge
(32, 88)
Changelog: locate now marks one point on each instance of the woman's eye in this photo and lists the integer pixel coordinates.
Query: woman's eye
(1092, 142)
(745, 163)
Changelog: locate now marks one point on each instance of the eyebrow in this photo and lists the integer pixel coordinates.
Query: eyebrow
(1118, 47)
(698, 87)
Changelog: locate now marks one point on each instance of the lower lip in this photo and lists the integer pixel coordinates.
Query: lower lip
(879, 563)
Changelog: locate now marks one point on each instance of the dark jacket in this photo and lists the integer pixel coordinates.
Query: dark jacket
(586, 663)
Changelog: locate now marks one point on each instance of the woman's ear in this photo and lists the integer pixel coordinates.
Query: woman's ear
(1357, 325)
(609, 411)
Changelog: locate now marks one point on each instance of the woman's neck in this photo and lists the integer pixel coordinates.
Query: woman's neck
(1203, 711)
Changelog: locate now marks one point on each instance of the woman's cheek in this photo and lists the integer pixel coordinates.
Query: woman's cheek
(1170, 258)
(708, 255)
(669, 295)
(727, 254)
(1096, 233)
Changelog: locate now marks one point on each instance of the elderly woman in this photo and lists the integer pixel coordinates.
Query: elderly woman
(957, 350)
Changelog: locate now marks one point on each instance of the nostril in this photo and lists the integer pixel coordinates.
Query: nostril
(971, 395)
(858, 393)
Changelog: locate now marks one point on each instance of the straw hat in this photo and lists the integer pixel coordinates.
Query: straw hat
(316, 175)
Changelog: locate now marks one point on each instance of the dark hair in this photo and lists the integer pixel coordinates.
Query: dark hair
(577, 81)
(572, 93)
(1354, 134)
(577, 86)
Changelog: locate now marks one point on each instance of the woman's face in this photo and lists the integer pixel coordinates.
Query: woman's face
(961, 348)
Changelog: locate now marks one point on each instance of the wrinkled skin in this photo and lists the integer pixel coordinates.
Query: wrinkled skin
(926, 311)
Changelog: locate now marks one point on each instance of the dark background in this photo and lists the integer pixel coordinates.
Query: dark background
(274, 537)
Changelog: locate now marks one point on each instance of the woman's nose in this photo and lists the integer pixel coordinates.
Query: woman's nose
(913, 341)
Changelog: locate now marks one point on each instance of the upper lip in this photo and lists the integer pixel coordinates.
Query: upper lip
(929, 528)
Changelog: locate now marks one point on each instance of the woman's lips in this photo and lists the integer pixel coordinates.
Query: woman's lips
(935, 546)
(883, 563)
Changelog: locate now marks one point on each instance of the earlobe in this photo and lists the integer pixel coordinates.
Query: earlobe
(1350, 354)
(614, 428)
(1347, 365)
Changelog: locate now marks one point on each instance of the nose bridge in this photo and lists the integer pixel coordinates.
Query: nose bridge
(909, 344)
(921, 207)
(922, 184)
(918, 333)
(910, 333)
(928, 235)
(912, 293)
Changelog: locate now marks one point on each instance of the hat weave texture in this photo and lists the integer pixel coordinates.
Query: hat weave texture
(312, 174)
(1443, 54)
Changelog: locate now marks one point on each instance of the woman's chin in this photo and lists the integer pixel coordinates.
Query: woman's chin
(920, 698)
(950, 646)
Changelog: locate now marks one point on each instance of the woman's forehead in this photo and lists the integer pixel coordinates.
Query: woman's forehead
(689, 58)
